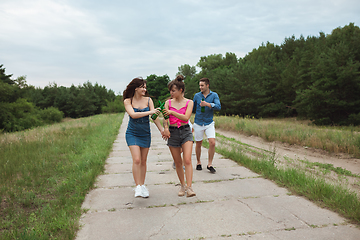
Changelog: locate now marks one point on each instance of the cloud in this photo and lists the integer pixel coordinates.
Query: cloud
(111, 42)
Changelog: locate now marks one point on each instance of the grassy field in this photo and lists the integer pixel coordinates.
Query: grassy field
(292, 131)
(322, 183)
(300, 182)
(46, 172)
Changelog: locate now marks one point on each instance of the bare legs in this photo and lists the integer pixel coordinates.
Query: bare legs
(139, 156)
(176, 154)
(211, 151)
(198, 151)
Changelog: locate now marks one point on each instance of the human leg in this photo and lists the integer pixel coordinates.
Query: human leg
(198, 151)
(210, 134)
(187, 150)
(198, 135)
(173, 165)
(136, 168)
(176, 154)
(143, 168)
(211, 151)
(144, 154)
(139, 156)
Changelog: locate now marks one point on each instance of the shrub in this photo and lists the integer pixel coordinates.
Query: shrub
(115, 106)
(354, 119)
(21, 115)
(51, 115)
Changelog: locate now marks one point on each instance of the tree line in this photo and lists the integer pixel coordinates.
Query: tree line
(316, 78)
(23, 106)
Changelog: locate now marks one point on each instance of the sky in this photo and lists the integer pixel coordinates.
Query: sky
(110, 42)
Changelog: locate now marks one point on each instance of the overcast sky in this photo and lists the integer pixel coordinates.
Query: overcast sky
(112, 42)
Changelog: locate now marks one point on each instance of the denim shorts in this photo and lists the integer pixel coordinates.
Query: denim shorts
(179, 136)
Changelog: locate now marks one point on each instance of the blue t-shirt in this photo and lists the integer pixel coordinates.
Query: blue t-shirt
(205, 118)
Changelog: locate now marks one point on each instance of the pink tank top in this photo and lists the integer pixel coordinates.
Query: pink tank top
(174, 120)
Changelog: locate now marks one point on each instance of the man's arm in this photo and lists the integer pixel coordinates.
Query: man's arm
(217, 104)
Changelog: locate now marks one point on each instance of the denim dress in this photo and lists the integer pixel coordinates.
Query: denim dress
(138, 130)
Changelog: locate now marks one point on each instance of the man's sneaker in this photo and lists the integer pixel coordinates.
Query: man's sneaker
(138, 191)
(144, 191)
(198, 167)
(182, 191)
(211, 169)
(190, 192)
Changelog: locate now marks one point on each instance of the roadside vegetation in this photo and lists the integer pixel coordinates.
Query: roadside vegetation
(335, 197)
(315, 78)
(301, 132)
(46, 172)
(335, 188)
(24, 106)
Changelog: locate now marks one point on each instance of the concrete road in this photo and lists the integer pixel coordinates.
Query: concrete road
(233, 203)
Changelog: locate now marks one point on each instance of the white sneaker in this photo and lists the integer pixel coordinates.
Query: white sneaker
(138, 191)
(144, 191)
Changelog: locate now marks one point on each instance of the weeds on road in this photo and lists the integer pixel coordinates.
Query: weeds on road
(335, 197)
(332, 139)
(46, 172)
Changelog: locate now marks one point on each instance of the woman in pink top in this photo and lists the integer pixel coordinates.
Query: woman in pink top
(179, 110)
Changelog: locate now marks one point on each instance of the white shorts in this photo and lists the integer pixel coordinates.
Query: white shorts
(191, 126)
(199, 131)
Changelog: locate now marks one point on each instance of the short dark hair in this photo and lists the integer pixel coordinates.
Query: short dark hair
(178, 82)
(205, 80)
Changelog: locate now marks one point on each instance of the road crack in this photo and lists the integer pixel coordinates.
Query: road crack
(163, 225)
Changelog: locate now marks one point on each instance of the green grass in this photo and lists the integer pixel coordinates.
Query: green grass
(292, 131)
(298, 181)
(46, 172)
(330, 167)
(325, 167)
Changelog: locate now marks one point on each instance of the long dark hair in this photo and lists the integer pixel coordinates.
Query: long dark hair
(130, 88)
(178, 82)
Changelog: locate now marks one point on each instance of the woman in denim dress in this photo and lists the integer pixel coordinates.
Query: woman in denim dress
(138, 136)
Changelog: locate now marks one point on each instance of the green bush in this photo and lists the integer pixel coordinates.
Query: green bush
(21, 115)
(30, 120)
(16, 116)
(51, 115)
(115, 106)
(354, 119)
(13, 124)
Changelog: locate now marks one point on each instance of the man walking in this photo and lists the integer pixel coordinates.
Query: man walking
(205, 102)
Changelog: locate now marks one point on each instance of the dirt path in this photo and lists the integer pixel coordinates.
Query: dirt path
(298, 157)
(298, 152)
